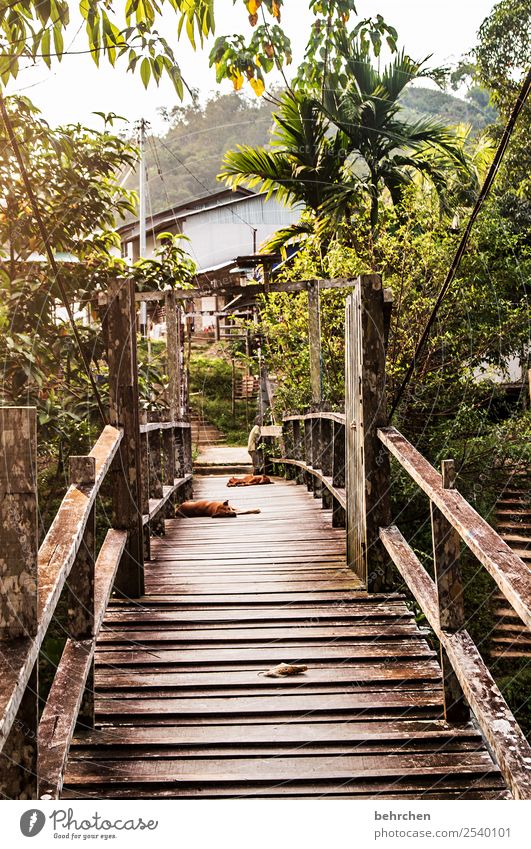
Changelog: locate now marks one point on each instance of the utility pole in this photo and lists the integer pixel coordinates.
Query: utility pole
(142, 248)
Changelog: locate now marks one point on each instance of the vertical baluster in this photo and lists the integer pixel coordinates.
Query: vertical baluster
(297, 449)
(308, 453)
(287, 434)
(338, 471)
(316, 456)
(18, 606)
(447, 557)
(168, 464)
(326, 459)
(156, 490)
(144, 465)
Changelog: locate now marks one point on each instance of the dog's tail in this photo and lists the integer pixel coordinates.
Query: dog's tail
(246, 512)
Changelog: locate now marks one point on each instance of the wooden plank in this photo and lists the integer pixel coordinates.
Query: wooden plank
(280, 769)
(510, 573)
(269, 654)
(284, 733)
(324, 414)
(229, 635)
(400, 671)
(60, 713)
(511, 749)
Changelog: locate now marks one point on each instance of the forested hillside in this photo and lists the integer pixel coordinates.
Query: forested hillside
(183, 163)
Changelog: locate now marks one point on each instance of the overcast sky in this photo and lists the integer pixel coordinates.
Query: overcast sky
(74, 89)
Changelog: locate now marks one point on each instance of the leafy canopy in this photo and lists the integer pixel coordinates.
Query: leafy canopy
(35, 29)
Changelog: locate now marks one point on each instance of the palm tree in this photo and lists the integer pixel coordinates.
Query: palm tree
(303, 164)
(386, 150)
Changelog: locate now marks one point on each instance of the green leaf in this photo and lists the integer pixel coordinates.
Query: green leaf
(145, 71)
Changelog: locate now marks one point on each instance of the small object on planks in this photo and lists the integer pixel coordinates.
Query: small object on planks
(284, 669)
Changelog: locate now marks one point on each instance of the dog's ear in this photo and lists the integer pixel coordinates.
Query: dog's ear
(226, 503)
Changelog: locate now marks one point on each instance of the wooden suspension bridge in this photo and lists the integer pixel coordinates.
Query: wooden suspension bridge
(172, 623)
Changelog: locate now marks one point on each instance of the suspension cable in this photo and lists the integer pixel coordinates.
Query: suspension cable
(489, 180)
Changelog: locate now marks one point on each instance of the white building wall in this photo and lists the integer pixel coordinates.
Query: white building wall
(222, 233)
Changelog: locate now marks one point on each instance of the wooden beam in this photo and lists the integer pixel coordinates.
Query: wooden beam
(120, 329)
(368, 474)
(497, 723)
(508, 570)
(18, 600)
(251, 290)
(324, 414)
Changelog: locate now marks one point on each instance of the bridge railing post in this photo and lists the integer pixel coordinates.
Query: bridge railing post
(18, 599)
(316, 454)
(156, 486)
(326, 459)
(367, 462)
(308, 453)
(446, 558)
(338, 471)
(297, 448)
(287, 436)
(144, 465)
(120, 330)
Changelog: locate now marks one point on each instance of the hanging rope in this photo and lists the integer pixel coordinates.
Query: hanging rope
(51, 258)
(489, 180)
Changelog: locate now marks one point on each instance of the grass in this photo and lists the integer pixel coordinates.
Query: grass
(211, 395)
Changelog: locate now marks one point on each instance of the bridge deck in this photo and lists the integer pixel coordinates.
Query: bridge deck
(183, 709)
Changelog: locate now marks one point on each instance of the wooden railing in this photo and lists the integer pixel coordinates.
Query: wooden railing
(314, 454)
(345, 458)
(467, 680)
(148, 466)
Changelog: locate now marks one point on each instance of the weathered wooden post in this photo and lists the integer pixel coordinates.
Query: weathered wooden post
(80, 583)
(316, 455)
(338, 471)
(287, 435)
(120, 328)
(173, 355)
(367, 462)
(156, 486)
(297, 449)
(308, 453)
(326, 459)
(18, 599)
(446, 558)
(314, 337)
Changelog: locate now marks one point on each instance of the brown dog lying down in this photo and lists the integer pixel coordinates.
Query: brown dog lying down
(249, 480)
(210, 509)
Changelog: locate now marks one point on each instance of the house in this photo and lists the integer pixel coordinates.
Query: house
(221, 227)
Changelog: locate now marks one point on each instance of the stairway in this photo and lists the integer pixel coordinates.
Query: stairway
(204, 433)
(511, 639)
